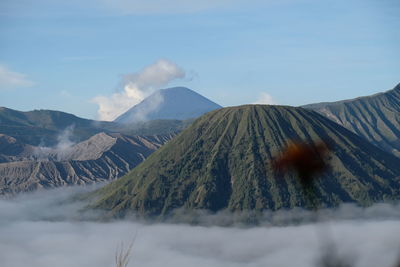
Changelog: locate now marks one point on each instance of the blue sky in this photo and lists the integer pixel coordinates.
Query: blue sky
(63, 54)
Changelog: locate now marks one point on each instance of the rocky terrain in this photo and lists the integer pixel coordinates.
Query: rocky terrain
(376, 117)
(103, 157)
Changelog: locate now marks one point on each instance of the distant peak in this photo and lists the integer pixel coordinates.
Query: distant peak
(177, 88)
(175, 103)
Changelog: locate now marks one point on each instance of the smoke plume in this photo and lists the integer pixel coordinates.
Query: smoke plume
(61, 150)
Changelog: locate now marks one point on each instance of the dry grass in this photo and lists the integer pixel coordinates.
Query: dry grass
(122, 255)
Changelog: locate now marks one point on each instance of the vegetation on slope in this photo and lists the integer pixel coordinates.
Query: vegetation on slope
(224, 161)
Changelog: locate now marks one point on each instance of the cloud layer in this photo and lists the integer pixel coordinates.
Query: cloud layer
(10, 79)
(37, 231)
(136, 87)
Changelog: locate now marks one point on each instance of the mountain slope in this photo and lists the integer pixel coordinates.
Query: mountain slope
(376, 117)
(100, 158)
(48, 119)
(44, 127)
(224, 161)
(178, 103)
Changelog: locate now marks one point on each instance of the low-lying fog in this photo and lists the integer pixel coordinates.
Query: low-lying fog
(35, 231)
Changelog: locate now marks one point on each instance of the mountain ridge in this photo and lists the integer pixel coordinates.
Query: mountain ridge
(103, 157)
(224, 161)
(44, 127)
(375, 117)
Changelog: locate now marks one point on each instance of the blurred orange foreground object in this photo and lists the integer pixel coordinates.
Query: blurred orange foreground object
(307, 160)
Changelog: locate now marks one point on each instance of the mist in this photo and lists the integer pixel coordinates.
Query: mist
(60, 150)
(39, 229)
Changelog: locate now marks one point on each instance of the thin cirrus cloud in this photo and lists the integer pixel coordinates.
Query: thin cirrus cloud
(136, 87)
(10, 79)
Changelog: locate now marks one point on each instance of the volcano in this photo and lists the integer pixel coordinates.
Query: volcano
(224, 161)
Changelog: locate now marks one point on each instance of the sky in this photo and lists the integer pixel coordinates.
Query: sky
(96, 58)
(35, 230)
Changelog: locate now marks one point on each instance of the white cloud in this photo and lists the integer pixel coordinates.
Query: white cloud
(264, 99)
(37, 230)
(10, 79)
(136, 87)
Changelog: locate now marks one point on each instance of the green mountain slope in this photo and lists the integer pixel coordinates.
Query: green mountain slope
(223, 161)
(43, 127)
(376, 117)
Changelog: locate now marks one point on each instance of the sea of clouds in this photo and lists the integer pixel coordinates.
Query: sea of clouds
(42, 230)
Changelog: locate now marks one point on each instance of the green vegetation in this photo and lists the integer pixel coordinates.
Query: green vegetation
(224, 161)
